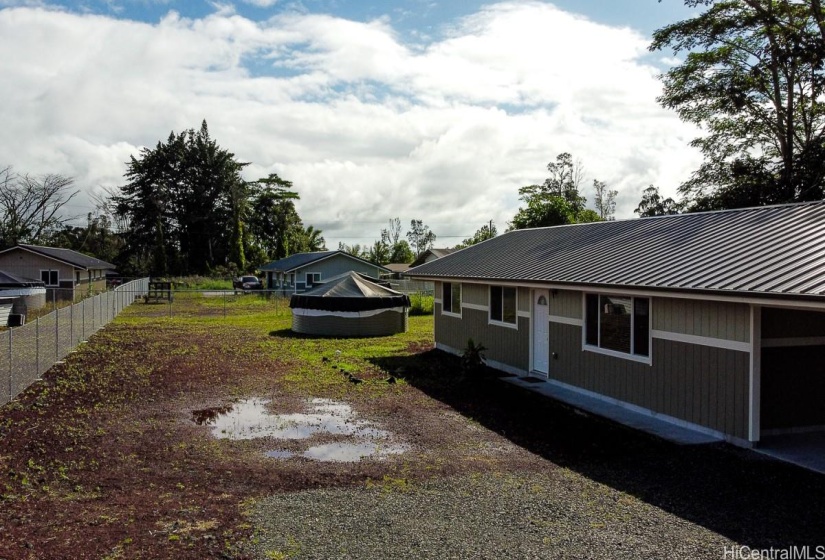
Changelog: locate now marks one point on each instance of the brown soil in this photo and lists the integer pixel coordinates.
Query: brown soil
(105, 459)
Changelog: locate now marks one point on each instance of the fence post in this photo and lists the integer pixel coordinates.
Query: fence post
(37, 345)
(83, 319)
(71, 325)
(56, 333)
(11, 368)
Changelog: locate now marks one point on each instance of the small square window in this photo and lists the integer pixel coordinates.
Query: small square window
(50, 277)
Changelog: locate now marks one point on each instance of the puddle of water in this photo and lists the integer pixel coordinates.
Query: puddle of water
(250, 419)
(206, 415)
(352, 452)
(279, 454)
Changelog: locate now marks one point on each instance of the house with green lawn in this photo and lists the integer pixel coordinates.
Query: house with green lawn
(302, 271)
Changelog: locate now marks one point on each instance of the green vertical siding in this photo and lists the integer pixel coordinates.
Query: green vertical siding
(524, 301)
(712, 319)
(506, 345)
(475, 294)
(700, 384)
(566, 303)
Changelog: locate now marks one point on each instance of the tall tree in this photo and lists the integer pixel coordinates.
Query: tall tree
(604, 200)
(355, 250)
(379, 253)
(95, 238)
(557, 201)
(752, 79)
(274, 223)
(312, 240)
(400, 252)
(31, 207)
(420, 237)
(652, 204)
(485, 232)
(184, 201)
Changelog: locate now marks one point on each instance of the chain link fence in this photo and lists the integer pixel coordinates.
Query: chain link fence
(26, 352)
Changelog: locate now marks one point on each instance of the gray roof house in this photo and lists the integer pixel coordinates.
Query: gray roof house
(430, 255)
(711, 321)
(302, 271)
(65, 273)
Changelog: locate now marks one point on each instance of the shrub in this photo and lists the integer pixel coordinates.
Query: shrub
(472, 360)
(421, 304)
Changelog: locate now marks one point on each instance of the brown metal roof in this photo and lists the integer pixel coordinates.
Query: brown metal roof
(771, 250)
(68, 256)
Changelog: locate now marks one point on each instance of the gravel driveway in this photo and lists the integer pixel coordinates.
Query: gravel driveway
(549, 515)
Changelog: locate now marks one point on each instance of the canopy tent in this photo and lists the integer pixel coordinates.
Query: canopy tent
(350, 304)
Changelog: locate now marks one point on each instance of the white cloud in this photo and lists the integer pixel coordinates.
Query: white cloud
(261, 3)
(366, 126)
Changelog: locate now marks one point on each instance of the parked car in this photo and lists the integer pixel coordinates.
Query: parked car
(247, 283)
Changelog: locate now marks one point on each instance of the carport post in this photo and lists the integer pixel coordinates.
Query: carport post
(755, 379)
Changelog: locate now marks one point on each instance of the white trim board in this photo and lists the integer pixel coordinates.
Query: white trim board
(702, 340)
(566, 320)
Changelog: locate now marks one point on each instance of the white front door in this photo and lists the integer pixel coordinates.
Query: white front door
(541, 332)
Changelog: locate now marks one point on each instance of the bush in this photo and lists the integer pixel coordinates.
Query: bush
(202, 283)
(473, 359)
(421, 304)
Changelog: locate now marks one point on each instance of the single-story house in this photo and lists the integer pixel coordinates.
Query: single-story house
(714, 321)
(430, 255)
(396, 270)
(302, 271)
(65, 273)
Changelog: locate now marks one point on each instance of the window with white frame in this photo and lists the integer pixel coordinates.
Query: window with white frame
(313, 278)
(451, 298)
(503, 305)
(50, 277)
(618, 324)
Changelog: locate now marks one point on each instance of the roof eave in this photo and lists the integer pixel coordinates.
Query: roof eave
(697, 292)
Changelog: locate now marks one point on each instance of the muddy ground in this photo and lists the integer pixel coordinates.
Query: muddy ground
(114, 453)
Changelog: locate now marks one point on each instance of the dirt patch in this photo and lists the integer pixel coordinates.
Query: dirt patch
(105, 458)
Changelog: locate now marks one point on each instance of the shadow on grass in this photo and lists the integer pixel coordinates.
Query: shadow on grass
(743, 496)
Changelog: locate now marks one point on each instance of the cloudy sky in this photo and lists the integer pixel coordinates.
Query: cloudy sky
(419, 109)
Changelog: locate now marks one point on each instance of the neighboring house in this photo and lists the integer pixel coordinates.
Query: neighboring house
(714, 321)
(302, 271)
(396, 270)
(66, 274)
(430, 255)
